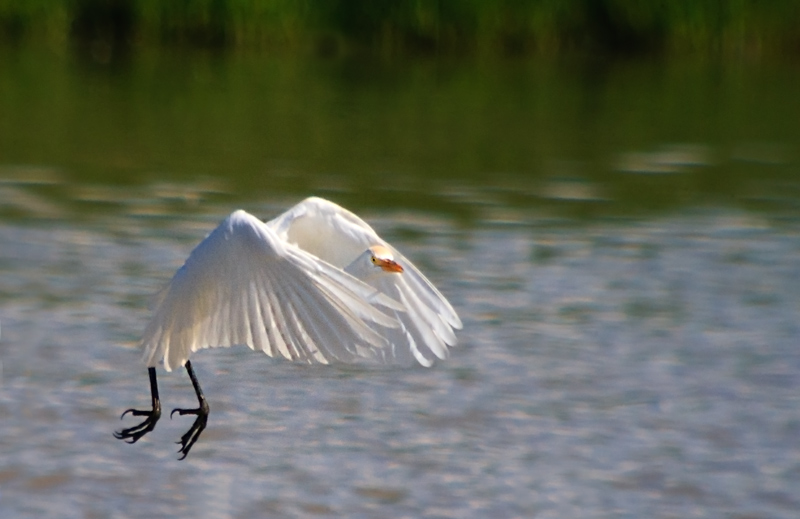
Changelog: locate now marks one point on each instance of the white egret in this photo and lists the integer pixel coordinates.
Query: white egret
(316, 284)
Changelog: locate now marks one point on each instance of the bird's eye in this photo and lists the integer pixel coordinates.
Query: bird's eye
(373, 259)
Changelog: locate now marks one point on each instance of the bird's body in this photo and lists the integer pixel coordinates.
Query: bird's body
(315, 284)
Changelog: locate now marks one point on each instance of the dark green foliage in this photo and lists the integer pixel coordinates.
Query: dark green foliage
(103, 29)
(205, 23)
(426, 26)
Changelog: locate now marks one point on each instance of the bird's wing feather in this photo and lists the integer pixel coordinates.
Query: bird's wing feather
(325, 230)
(245, 285)
(427, 319)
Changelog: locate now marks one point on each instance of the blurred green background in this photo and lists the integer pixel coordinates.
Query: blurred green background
(417, 26)
(590, 107)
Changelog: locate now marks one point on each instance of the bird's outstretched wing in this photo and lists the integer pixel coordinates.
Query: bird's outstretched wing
(337, 236)
(243, 284)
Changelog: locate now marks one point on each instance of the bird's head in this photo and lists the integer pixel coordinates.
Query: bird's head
(373, 263)
(381, 257)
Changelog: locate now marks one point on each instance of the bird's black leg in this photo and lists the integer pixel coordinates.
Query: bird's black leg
(132, 434)
(191, 436)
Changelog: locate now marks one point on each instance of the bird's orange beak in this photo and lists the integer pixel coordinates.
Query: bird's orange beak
(389, 265)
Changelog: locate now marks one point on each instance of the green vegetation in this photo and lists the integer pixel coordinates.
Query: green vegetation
(391, 27)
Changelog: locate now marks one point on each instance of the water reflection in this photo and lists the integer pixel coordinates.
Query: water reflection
(646, 366)
(264, 125)
(668, 159)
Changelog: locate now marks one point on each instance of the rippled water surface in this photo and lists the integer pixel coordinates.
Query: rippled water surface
(630, 308)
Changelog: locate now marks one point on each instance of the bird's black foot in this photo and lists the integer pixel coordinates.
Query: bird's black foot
(132, 434)
(191, 436)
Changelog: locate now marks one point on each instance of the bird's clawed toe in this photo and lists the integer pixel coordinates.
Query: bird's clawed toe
(133, 434)
(188, 440)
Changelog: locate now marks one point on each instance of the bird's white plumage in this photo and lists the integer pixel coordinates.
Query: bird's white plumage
(338, 236)
(294, 287)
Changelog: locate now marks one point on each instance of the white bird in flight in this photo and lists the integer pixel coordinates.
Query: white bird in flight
(316, 284)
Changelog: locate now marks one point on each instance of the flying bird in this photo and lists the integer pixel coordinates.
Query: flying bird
(315, 285)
